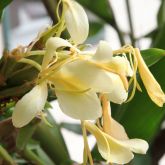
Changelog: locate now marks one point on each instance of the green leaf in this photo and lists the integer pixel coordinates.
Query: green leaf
(52, 141)
(153, 55)
(159, 41)
(95, 27)
(141, 117)
(3, 4)
(76, 128)
(100, 8)
(24, 135)
(161, 14)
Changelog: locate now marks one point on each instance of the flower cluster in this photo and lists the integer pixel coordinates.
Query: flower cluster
(86, 81)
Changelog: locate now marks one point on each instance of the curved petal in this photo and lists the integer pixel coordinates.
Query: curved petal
(109, 148)
(29, 105)
(102, 142)
(121, 65)
(83, 106)
(117, 131)
(103, 53)
(52, 45)
(90, 75)
(76, 21)
(118, 94)
(153, 88)
(136, 145)
(119, 153)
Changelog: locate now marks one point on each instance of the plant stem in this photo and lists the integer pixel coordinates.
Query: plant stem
(130, 23)
(4, 154)
(115, 25)
(86, 146)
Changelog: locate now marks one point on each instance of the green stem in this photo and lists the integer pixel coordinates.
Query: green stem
(33, 157)
(130, 23)
(5, 155)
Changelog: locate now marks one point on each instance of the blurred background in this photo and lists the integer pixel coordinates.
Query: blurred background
(136, 22)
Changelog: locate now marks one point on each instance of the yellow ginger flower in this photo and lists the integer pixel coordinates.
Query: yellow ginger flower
(77, 81)
(112, 140)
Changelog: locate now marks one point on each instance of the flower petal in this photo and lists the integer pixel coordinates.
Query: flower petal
(113, 152)
(83, 106)
(118, 94)
(136, 145)
(29, 105)
(117, 131)
(90, 75)
(103, 53)
(153, 88)
(52, 45)
(119, 153)
(121, 65)
(102, 142)
(76, 21)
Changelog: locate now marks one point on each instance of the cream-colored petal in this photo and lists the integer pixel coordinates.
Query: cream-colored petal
(119, 153)
(83, 106)
(103, 145)
(76, 21)
(91, 76)
(29, 105)
(52, 45)
(121, 65)
(117, 131)
(153, 88)
(136, 145)
(109, 148)
(118, 94)
(103, 53)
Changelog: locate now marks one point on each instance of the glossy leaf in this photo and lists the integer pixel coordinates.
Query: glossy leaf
(152, 55)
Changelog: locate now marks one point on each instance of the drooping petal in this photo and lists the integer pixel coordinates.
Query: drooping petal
(103, 53)
(90, 75)
(83, 106)
(102, 142)
(76, 21)
(119, 154)
(136, 145)
(153, 88)
(118, 94)
(52, 45)
(113, 152)
(117, 131)
(29, 105)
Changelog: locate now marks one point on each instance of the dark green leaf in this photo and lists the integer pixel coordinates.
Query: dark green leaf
(160, 39)
(161, 14)
(153, 55)
(95, 27)
(3, 4)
